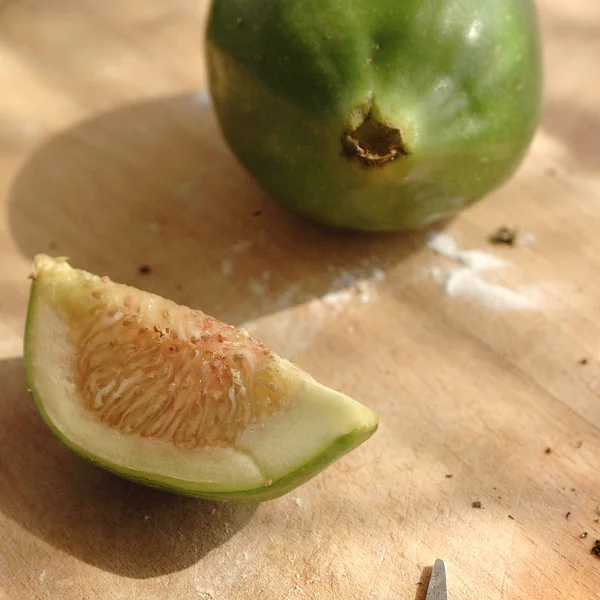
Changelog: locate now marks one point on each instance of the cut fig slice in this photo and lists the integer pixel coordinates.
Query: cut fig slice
(172, 398)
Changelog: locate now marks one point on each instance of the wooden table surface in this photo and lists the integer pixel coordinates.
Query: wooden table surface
(110, 154)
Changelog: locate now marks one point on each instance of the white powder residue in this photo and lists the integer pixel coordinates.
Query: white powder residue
(344, 287)
(257, 286)
(344, 279)
(226, 267)
(286, 298)
(366, 291)
(288, 332)
(527, 239)
(298, 501)
(478, 260)
(241, 246)
(437, 274)
(337, 300)
(308, 298)
(466, 283)
(446, 245)
(202, 99)
(43, 575)
(443, 243)
(291, 328)
(186, 190)
(377, 275)
(348, 286)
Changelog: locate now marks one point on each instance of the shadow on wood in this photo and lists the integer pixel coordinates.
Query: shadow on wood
(150, 195)
(423, 583)
(99, 518)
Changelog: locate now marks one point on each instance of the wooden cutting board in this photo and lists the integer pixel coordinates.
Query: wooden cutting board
(110, 154)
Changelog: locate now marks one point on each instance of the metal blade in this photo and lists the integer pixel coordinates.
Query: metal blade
(437, 589)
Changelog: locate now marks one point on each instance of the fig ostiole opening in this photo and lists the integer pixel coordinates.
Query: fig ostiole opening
(373, 142)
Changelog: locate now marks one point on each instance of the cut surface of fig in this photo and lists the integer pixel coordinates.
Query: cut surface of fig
(173, 398)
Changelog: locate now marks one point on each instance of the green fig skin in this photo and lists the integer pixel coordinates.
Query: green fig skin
(376, 115)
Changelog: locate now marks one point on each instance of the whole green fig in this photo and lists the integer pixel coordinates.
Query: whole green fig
(379, 115)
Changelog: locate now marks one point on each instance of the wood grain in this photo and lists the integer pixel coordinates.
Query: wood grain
(109, 155)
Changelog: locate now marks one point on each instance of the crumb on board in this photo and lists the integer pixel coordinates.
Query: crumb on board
(476, 504)
(568, 515)
(548, 450)
(257, 213)
(449, 475)
(504, 235)
(596, 548)
(144, 269)
(583, 361)
(511, 517)
(583, 535)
